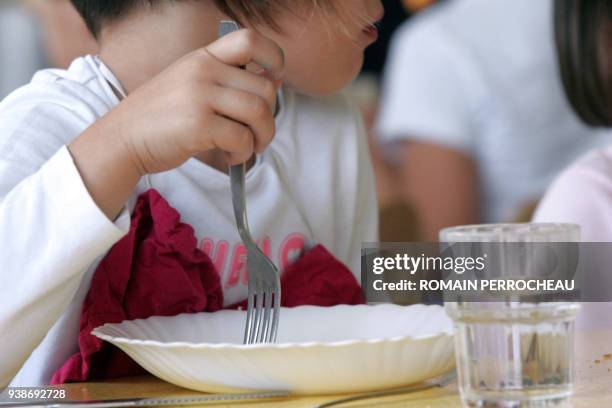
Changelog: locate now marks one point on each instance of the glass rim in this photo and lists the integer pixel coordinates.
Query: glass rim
(509, 232)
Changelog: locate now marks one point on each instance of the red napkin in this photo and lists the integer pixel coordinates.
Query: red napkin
(158, 270)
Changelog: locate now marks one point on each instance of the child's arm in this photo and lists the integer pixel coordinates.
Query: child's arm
(50, 232)
(56, 206)
(448, 195)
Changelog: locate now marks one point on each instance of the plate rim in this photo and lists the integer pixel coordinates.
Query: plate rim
(274, 346)
(99, 332)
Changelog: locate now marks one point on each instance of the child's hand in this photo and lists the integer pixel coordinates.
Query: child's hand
(205, 101)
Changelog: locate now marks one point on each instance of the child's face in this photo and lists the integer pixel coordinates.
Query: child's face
(324, 53)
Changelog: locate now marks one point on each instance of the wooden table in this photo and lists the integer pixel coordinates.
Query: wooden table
(593, 385)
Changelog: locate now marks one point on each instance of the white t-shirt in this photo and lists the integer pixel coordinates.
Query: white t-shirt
(582, 195)
(313, 185)
(481, 77)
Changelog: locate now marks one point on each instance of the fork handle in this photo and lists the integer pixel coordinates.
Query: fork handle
(238, 175)
(238, 172)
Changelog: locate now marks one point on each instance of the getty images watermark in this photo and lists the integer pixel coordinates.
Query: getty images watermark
(487, 271)
(410, 265)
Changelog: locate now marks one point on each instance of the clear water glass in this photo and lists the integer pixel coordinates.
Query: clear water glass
(513, 353)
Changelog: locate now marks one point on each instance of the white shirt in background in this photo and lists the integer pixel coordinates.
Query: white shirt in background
(313, 185)
(481, 77)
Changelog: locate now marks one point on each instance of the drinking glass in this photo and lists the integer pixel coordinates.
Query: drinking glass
(516, 351)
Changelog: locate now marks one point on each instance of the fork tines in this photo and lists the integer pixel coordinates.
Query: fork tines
(264, 298)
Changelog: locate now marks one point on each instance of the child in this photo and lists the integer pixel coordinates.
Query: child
(583, 193)
(167, 106)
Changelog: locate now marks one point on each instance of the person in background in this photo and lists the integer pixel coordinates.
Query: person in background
(37, 34)
(582, 194)
(473, 112)
(65, 34)
(21, 52)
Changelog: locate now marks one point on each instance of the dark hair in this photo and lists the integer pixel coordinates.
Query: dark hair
(584, 42)
(98, 12)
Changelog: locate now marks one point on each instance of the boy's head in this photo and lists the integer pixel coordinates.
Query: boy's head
(323, 40)
(98, 12)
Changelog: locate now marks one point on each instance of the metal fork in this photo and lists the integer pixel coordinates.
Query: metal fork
(264, 291)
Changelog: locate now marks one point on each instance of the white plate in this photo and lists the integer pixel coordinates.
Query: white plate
(339, 349)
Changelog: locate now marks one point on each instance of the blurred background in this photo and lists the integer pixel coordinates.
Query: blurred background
(37, 34)
(462, 99)
(468, 119)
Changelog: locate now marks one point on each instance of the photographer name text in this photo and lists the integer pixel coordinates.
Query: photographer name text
(536, 285)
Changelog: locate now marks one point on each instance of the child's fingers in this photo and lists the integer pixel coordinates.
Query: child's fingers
(248, 109)
(245, 46)
(235, 139)
(249, 82)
